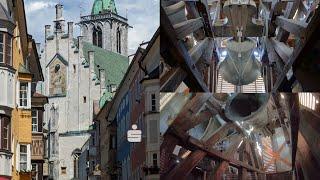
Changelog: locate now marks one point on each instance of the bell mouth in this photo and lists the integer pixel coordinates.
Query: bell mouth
(242, 107)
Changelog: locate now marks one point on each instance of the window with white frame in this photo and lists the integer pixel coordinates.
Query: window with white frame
(24, 94)
(153, 102)
(5, 48)
(23, 157)
(34, 114)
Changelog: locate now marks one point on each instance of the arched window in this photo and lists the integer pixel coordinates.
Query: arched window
(97, 36)
(118, 40)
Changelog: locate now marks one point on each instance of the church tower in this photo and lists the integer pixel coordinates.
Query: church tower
(105, 28)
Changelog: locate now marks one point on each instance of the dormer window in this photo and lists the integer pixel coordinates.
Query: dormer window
(5, 48)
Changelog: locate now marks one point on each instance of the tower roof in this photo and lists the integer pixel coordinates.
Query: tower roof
(101, 6)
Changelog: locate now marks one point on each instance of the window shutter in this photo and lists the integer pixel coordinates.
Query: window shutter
(29, 96)
(28, 157)
(17, 94)
(18, 157)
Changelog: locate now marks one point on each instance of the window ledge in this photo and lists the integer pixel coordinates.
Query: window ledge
(9, 67)
(24, 108)
(6, 152)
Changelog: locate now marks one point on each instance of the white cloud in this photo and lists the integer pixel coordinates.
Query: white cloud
(38, 5)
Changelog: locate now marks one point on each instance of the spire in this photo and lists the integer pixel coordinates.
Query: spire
(103, 6)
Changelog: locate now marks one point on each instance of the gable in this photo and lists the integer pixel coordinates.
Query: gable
(58, 57)
(57, 76)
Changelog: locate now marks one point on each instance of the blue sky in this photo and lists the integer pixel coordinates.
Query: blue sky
(143, 15)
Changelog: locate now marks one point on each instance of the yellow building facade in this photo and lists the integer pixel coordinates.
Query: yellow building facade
(21, 114)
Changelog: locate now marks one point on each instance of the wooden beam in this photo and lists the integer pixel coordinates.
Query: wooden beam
(195, 144)
(298, 28)
(172, 79)
(243, 173)
(293, 101)
(228, 153)
(187, 27)
(282, 116)
(172, 9)
(303, 46)
(208, 53)
(175, 49)
(289, 12)
(198, 50)
(192, 13)
(190, 110)
(203, 9)
(183, 169)
(166, 149)
(303, 7)
(256, 158)
(191, 122)
(275, 10)
(273, 56)
(283, 50)
(306, 159)
(218, 134)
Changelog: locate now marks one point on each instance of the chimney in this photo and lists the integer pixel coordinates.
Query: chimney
(59, 9)
(70, 29)
(47, 30)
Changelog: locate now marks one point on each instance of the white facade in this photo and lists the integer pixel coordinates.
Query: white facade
(151, 86)
(71, 85)
(7, 87)
(7, 82)
(71, 91)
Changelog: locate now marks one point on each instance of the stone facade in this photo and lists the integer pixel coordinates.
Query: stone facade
(112, 26)
(72, 69)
